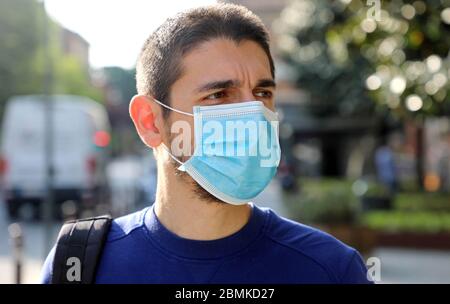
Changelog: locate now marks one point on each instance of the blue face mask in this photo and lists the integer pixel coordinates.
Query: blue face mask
(237, 150)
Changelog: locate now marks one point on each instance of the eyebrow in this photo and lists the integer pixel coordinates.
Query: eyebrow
(266, 83)
(230, 83)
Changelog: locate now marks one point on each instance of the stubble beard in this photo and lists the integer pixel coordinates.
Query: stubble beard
(197, 190)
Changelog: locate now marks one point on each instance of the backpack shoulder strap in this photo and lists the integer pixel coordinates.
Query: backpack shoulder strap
(78, 250)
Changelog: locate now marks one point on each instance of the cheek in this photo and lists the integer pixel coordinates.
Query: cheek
(181, 132)
(270, 104)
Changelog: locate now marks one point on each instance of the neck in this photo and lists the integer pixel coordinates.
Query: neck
(186, 215)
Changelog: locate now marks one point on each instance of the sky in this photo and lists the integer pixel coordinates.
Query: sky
(115, 29)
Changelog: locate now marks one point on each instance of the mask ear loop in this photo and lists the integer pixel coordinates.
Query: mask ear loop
(171, 155)
(170, 108)
(181, 167)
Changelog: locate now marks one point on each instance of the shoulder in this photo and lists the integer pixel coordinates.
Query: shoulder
(341, 262)
(124, 226)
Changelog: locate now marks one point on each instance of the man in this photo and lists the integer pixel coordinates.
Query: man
(201, 71)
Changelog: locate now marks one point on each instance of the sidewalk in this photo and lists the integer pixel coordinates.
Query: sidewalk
(34, 249)
(30, 271)
(409, 266)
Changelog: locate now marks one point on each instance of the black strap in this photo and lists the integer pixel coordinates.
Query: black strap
(79, 248)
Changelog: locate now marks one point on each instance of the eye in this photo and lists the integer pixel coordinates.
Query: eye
(264, 94)
(216, 95)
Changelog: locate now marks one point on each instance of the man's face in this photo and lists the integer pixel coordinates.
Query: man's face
(219, 72)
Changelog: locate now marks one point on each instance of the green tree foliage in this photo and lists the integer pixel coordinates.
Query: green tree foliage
(343, 54)
(20, 34)
(316, 38)
(23, 54)
(409, 50)
(71, 78)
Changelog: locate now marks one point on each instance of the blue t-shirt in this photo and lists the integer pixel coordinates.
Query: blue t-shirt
(268, 249)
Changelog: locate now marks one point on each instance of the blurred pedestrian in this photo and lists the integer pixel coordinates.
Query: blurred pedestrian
(385, 163)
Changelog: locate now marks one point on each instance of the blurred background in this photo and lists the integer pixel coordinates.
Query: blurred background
(364, 100)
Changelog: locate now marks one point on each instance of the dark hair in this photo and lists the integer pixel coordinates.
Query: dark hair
(159, 63)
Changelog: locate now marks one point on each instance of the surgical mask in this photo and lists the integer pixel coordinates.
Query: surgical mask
(236, 152)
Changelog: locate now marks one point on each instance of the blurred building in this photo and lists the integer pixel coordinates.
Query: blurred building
(74, 45)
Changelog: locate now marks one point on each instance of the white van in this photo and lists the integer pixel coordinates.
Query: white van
(80, 150)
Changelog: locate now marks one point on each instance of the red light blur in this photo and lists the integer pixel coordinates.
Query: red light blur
(102, 138)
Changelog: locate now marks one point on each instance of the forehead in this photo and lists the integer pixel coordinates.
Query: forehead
(220, 59)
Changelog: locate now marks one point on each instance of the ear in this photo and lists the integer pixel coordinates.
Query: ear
(144, 114)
